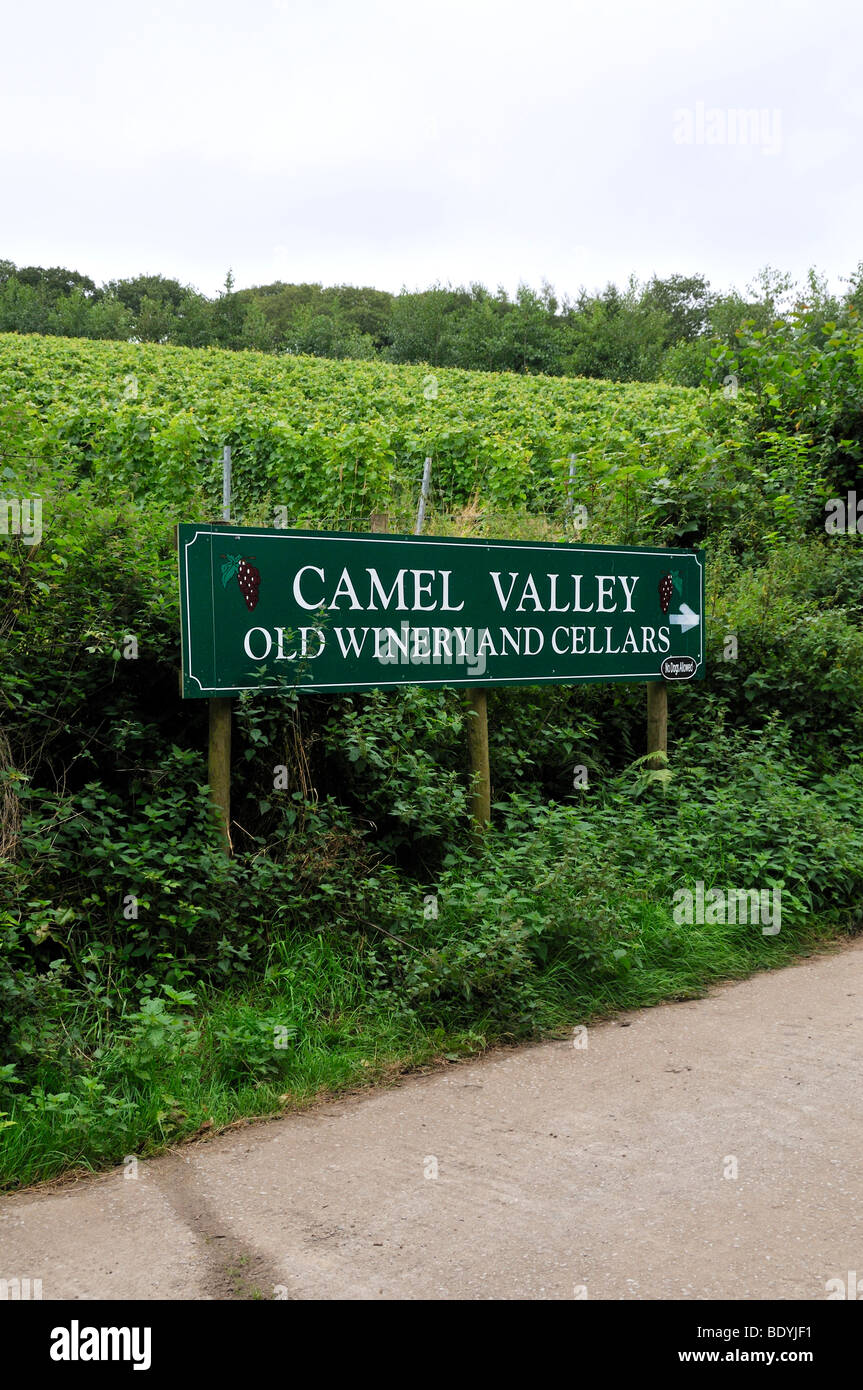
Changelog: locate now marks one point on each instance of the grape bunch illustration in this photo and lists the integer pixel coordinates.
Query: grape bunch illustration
(247, 576)
(668, 584)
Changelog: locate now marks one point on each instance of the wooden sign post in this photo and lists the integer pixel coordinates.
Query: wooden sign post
(657, 721)
(219, 766)
(219, 749)
(477, 742)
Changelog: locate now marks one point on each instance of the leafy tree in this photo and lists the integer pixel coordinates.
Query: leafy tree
(154, 320)
(258, 331)
(423, 326)
(194, 321)
(56, 281)
(23, 308)
(109, 318)
(228, 315)
(367, 311)
(479, 334)
(156, 288)
(71, 315)
(531, 340)
(685, 301)
(616, 336)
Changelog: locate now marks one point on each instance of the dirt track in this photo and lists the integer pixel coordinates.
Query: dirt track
(560, 1169)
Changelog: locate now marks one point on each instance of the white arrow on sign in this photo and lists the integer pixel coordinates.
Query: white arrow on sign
(685, 619)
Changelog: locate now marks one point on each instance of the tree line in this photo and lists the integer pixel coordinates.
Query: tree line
(659, 329)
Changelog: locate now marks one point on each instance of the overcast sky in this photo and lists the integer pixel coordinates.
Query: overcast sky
(391, 143)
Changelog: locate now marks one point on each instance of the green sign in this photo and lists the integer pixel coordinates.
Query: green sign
(335, 611)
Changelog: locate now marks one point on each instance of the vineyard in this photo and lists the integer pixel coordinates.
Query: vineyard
(335, 440)
(142, 974)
